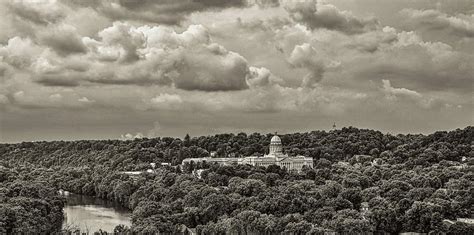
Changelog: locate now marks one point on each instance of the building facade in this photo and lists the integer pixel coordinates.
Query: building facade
(275, 156)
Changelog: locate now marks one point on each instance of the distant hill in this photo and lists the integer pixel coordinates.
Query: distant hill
(334, 145)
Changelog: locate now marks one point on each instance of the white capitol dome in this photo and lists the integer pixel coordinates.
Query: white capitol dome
(276, 147)
(275, 140)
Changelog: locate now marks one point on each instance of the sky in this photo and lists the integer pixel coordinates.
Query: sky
(122, 69)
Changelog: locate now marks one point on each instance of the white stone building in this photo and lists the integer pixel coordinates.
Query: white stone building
(274, 157)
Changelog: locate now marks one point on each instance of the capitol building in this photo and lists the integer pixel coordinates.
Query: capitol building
(275, 156)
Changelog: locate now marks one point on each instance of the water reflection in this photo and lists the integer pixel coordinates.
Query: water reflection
(89, 214)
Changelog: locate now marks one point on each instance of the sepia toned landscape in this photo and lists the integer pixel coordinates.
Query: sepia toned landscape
(236, 117)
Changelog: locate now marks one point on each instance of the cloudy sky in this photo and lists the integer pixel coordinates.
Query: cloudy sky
(90, 69)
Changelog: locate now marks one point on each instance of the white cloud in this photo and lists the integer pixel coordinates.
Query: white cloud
(167, 98)
(460, 24)
(404, 95)
(20, 52)
(19, 94)
(55, 97)
(304, 56)
(316, 14)
(259, 77)
(153, 55)
(129, 136)
(85, 100)
(310, 59)
(392, 92)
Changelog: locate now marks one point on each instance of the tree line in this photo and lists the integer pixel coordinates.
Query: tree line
(362, 181)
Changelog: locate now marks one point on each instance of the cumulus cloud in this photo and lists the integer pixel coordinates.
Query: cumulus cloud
(85, 100)
(212, 68)
(167, 98)
(166, 101)
(460, 24)
(20, 52)
(392, 92)
(396, 94)
(315, 14)
(304, 56)
(122, 41)
(124, 54)
(63, 39)
(129, 136)
(187, 60)
(261, 77)
(56, 96)
(304, 59)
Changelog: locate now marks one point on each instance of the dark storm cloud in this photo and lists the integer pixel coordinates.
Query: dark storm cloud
(51, 81)
(164, 11)
(63, 40)
(60, 80)
(268, 3)
(36, 12)
(316, 15)
(179, 6)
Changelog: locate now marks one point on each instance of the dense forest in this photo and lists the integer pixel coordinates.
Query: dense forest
(362, 181)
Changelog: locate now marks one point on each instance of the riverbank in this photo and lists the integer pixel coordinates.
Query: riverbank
(90, 214)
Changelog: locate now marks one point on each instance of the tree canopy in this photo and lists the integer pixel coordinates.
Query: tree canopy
(410, 183)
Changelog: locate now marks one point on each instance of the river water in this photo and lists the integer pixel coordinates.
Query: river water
(89, 214)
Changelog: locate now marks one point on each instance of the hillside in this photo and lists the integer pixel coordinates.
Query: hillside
(407, 182)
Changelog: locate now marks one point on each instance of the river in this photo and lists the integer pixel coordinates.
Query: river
(89, 214)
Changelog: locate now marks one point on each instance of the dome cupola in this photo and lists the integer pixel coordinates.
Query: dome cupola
(276, 147)
(275, 140)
